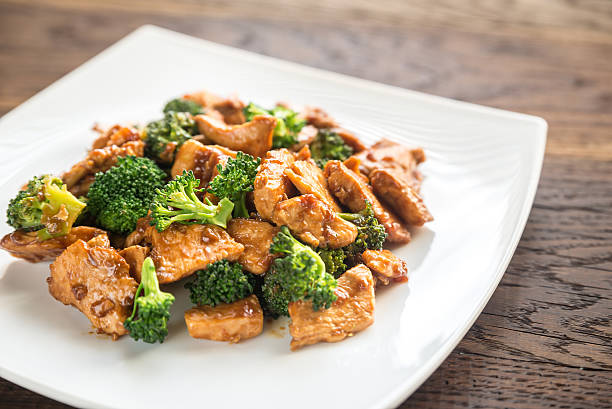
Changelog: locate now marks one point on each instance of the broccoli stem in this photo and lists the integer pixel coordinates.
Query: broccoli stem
(349, 217)
(148, 278)
(240, 209)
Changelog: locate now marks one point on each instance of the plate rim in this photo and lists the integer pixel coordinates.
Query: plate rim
(402, 391)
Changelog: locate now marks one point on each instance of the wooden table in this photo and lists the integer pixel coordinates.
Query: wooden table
(544, 339)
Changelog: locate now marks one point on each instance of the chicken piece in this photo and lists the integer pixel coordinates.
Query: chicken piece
(201, 159)
(81, 175)
(352, 312)
(28, 246)
(135, 256)
(353, 192)
(386, 265)
(353, 164)
(182, 249)
(303, 153)
(308, 178)
(256, 237)
(240, 320)
(318, 118)
(271, 184)
(115, 135)
(94, 278)
(305, 137)
(253, 137)
(350, 139)
(399, 159)
(400, 196)
(231, 108)
(314, 222)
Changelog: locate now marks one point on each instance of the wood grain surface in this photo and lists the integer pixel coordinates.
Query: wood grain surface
(544, 340)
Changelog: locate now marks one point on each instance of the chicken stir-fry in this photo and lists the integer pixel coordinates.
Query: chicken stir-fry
(259, 212)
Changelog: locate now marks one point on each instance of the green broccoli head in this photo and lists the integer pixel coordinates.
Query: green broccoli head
(328, 145)
(149, 319)
(220, 282)
(177, 202)
(183, 105)
(299, 275)
(371, 234)
(164, 136)
(334, 260)
(46, 206)
(122, 195)
(235, 180)
(288, 123)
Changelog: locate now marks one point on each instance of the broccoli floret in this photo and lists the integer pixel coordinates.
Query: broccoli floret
(149, 319)
(235, 180)
(45, 205)
(164, 136)
(220, 282)
(299, 275)
(177, 202)
(288, 123)
(122, 195)
(371, 233)
(370, 236)
(183, 105)
(334, 261)
(328, 145)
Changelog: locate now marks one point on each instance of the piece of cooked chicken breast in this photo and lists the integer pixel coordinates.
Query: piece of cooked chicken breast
(256, 237)
(28, 246)
(386, 266)
(271, 184)
(94, 278)
(314, 222)
(181, 249)
(353, 192)
(240, 320)
(400, 196)
(352, 312)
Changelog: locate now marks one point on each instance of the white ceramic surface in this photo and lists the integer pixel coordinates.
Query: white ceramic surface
(481, 176)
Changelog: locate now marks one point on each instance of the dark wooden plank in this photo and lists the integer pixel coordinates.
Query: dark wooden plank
(495, 382)
(544, 339)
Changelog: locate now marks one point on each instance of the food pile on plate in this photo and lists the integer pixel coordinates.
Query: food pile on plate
(262, 212)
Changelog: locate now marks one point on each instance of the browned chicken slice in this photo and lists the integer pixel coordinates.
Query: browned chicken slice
(81, 175)
(318, 118)
(386, 265)
(115, 135)
(233, 322)
(135, 256)
(305, 137)
(253, 137)
(397, 158)
(28, 246)
(308, 178)
(352, 312)
(256, 237)
(353, 192)
(181, 249)
(94, 278)
(350, 139)
(353, 164)
(201, 159)
(231, 108)
(271, 184)
(400, 196)
(303, 153)
(314, 222)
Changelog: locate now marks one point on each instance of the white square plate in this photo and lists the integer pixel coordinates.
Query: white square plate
(481, 176)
